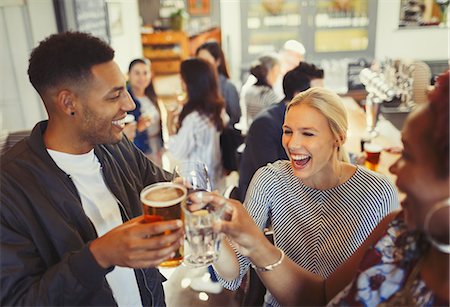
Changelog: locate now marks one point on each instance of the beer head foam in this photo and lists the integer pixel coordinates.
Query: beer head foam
(371, 147)
(164, 194)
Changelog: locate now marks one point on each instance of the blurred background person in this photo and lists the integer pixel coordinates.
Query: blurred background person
(231, 138)
(321, 208)
(147, 114)
(263, 140)
(261, 95)
(196, 136)
(291, 54)
(211, 52)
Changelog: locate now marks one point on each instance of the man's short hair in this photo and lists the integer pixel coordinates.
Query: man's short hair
(66, 57)
(299, 79)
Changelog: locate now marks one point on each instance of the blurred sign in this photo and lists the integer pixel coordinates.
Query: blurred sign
(83, 15)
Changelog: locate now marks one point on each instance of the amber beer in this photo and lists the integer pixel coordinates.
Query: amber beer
(373, 152)
(162, 202)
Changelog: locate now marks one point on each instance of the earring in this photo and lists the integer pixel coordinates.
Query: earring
(445, 248)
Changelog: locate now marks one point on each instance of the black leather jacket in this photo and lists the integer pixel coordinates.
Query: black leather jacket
(45, 234)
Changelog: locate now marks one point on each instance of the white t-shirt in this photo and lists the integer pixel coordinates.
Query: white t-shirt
(101, 207)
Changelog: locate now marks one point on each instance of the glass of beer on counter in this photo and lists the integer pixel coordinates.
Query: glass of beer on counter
(373, 152)
(161, 202)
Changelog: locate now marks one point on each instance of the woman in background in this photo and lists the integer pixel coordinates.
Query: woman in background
(147, 113)
(197, 134)
(261, 95)
(231, 138)
(211, 52)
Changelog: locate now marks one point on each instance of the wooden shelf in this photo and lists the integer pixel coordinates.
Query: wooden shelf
(168, 49)
(196, 40)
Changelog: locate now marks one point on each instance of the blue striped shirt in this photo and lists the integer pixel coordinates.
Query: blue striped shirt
(317, 229)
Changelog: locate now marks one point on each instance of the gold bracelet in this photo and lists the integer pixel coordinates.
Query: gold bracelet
(270, 267)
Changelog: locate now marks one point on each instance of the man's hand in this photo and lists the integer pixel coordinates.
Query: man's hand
(137, 244)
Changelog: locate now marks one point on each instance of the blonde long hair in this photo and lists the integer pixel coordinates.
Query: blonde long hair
(329, 105)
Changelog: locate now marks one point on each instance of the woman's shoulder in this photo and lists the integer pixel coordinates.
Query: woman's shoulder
(195, 117)
(226, 82)
(364, 176)
(279, 169)
(252, 91)
(272, 181)
(199, 123)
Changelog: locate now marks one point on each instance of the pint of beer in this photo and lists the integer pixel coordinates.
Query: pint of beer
(373, 152)
(161, 202)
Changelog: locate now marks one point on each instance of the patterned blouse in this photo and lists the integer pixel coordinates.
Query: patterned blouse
(389, 274)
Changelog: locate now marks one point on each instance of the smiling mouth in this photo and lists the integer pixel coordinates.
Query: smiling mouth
(300, 161)
(119, 123)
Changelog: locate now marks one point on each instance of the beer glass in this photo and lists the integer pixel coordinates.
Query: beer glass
(161, 202)
(373, 152)
(202, 243)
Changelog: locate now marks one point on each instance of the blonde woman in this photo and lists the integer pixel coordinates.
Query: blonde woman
(321, 207)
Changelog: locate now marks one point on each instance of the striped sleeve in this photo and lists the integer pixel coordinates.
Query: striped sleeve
(257, 204)
(390, 201)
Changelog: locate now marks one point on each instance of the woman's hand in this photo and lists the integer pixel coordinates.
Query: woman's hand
(172, 119)
(238, 225)
(143, 122)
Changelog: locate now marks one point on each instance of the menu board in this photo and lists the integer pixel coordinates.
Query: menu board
(83, 15)
(270, 23)
(91, 17)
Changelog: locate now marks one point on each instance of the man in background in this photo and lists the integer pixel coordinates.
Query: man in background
(291, 54)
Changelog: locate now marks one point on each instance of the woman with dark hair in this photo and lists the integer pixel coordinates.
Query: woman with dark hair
(231, 138)
(261, 95)
(197, 134)
(147, 113)
(211, 52)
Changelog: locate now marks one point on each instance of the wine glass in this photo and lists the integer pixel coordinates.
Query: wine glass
(193, 175)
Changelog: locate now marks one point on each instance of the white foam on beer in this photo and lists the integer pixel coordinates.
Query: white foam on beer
(168, 196)
(370, 147)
